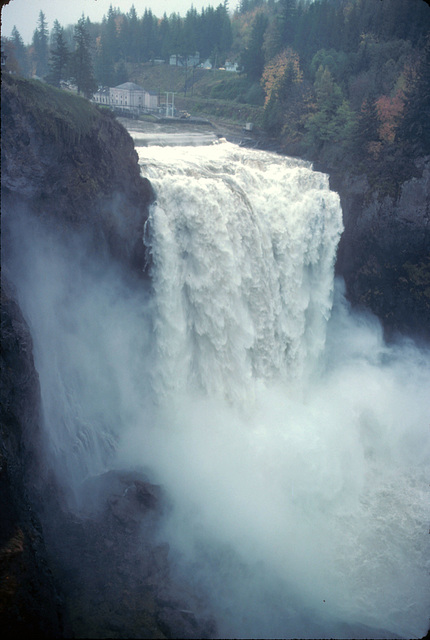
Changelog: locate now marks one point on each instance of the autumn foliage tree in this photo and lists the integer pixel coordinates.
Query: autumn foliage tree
(390, 110)
(287, 97)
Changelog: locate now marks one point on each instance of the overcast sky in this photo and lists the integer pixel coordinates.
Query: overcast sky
(24, 13)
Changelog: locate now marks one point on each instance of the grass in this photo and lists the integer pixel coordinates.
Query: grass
(60, 115)
(211, 93)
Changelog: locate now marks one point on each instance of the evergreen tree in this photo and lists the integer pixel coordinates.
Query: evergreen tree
(223, 30)
(59, 56)
(272, 39)
(253, 57)
(177, 40)
(148, 35)
(164, 38)
(288, 21)
(106, 47)
(248, 5)
(20, 52)
(81, 61)
(40, 47)
(103, 67)
(133, 40)
(191, 31)
(110, 36)
(367, 142)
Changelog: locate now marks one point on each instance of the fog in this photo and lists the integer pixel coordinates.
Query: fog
(306, 517)
(299, 494)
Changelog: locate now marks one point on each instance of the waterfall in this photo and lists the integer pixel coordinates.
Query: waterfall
(243, 247)
(291, 440)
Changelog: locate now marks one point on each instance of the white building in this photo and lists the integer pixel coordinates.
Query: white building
(128, 96)
(101, 96)
(232, 66)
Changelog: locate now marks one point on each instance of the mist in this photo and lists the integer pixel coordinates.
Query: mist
(305, 517)
(298, 489)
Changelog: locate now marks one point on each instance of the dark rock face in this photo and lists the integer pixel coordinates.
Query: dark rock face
(86, 180)
(384, 252)
(100, 571)
(29, 600)
(114, 571)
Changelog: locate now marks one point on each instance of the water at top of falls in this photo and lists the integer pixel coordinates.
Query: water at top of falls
(243, 245)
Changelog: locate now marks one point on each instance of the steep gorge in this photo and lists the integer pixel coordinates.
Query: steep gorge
(75, 169)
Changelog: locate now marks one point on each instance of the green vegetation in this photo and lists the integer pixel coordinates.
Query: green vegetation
(345, 82)
(59, 114)
(204, 92)
(81, 65)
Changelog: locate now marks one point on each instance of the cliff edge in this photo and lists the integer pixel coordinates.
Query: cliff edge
(67, 161)
(384, 252)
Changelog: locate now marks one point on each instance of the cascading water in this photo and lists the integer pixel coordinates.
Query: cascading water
(292, 442)
(243, 246)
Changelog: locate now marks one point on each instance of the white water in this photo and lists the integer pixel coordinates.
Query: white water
(291, 440)
(243, 246)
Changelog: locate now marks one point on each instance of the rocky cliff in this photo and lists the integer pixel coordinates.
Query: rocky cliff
(102, 573)
(384, 252)
(68, 162)
(29, 600)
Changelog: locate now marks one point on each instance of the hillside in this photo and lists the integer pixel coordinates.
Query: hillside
(202, 92)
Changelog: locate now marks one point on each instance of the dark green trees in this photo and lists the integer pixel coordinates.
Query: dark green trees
(40, 47)
(82, 67)
(20, 52)
(253, 57)
(59, 56)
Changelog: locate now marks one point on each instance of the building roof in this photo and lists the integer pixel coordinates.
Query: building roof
(130, 86)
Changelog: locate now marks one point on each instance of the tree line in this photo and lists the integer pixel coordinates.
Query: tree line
(344, 80)
(119, 39)
(335, 78)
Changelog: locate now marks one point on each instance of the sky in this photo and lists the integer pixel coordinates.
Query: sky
(24, 13)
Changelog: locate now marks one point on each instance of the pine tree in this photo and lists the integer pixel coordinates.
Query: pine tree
(367, 143)
(110, 36)
(223, 30)
(59, 56)
(253, 56)
(148, 35)
(164, 38)
(288, 19)
(133, 50)
(81, 61)
(20, 52)
(40, 47)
